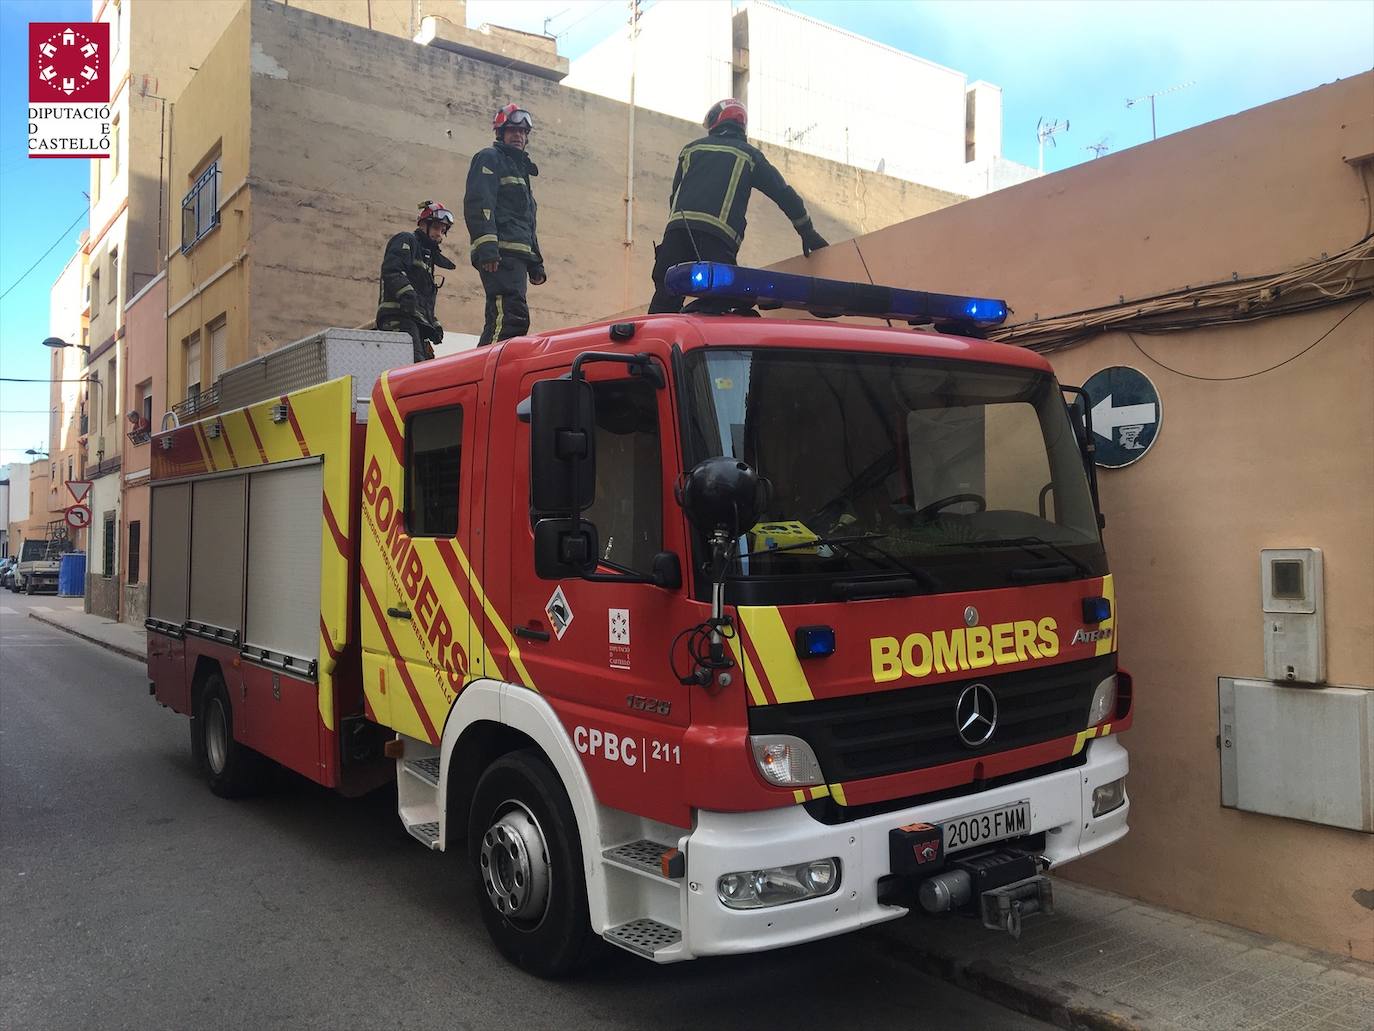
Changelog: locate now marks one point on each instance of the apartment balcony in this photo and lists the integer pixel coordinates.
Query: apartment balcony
(197, 404)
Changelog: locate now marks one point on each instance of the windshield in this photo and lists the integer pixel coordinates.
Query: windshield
(942, 475)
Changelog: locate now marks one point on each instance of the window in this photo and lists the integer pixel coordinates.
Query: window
(135, 532)
(69, 467)
(111, 390)
(191, 351)
(114, 146)
(114, 277)
(434, 451)
(628, 509)
(218, 331)
(108, 567)
(200, 207)
(95, 290)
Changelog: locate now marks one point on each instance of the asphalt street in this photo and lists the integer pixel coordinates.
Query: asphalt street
(132, 897)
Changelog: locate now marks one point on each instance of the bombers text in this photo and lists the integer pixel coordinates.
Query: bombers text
(975, 647)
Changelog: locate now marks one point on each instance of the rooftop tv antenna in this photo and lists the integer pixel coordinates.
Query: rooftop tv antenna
(1133, 101)
(1099, 148)
(1045, 131)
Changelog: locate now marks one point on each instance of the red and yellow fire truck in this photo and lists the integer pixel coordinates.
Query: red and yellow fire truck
(701, 633)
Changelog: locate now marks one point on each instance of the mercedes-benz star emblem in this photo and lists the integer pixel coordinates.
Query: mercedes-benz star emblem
(975, 715)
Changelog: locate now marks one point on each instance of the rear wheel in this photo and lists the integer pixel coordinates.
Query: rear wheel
(230, 768)
(527, 868)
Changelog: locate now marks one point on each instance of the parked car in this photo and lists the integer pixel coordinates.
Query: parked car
(7, 565)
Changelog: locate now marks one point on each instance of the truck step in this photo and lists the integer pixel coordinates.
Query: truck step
(426, 769)
(644, 937)
(426, 833)
(642, 856)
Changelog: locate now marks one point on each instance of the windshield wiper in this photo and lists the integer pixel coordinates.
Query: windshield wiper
(1028, 543)
(894, 564)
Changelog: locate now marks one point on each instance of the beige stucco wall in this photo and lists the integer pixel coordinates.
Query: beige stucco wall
(350, 130)
(1243, 462)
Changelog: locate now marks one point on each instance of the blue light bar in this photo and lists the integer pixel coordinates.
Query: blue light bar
(768, 289)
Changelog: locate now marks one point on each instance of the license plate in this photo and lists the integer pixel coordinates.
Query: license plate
(1008, 821)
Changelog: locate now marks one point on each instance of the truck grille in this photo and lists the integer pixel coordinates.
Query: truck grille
(913, 728)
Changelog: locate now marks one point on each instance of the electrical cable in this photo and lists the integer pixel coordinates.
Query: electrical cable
(1248, 375)
(45, 253)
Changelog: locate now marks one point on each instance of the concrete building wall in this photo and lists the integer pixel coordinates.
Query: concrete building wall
(349, 130)
(146, 322)
(1246, 459)
(67, 318)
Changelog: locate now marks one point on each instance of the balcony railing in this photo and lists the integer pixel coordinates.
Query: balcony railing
(140, 436)
(201, 402)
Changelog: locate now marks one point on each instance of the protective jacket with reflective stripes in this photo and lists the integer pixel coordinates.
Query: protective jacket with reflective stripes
(499, 208)
(407, 282)
(713, 180)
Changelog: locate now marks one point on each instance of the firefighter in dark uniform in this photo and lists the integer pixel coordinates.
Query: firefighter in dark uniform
(711, 194)
(408, 288)
(499, 210)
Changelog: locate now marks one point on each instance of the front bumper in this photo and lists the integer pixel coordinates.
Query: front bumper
(1061, 806)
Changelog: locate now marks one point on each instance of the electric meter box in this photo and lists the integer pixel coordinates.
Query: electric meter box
(1294, 616)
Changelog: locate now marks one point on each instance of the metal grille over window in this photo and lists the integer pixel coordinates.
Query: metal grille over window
(434, 452)
(200, 207)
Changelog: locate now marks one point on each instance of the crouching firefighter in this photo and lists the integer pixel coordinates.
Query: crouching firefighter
(711, 194)
(408, 287)
(499, 210)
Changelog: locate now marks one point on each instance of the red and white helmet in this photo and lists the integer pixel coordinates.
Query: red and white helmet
(433, 211)
(730, 110)
(511, 115)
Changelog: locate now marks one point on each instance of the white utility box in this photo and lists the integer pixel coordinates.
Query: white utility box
(1294, 632)
(1300, 752)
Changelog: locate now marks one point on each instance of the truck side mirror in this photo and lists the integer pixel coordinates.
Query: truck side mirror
(564, 548)
(562, 446)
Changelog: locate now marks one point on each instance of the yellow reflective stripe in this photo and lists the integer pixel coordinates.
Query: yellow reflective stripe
(1084, 736)
(512, 180)
(487, 171)
(837, 793)
(489, 238)
(1108, 643)
(500, 317)
(777, 653)
(718, 148)
(521, 248)
(701, 216)
(734, 185)
(751, 676)
(486, 213)
(820, 792)
(404, 289)
(800, 796)
(494, 618)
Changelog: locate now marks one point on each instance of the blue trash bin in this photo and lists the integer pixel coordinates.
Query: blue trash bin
(71, 575)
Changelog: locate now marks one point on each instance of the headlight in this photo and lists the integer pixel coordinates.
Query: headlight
(779, 885)
(1109, 797)
(786, 761)
(1104, 701)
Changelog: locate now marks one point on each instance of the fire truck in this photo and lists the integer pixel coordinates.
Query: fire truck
(700, 634)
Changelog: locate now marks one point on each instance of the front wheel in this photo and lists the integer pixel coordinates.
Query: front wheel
(527, 868)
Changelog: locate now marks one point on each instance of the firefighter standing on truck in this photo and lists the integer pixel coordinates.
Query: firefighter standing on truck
(408, 287)
(499, 210)
(711, 194)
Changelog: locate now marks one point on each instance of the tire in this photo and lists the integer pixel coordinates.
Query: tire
(527, 872)
(231, 769)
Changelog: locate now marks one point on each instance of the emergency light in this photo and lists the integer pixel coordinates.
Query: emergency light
(768, 289)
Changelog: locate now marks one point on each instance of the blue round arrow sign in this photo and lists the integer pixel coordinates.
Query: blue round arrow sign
(1126, 415)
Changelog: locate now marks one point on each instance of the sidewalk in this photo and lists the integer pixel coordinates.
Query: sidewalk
(1104, 961)
(67, 614)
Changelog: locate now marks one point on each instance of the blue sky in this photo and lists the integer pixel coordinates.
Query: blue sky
(1074, 60)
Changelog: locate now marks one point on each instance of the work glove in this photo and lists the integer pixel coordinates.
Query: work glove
(438, 335)
(487, 257)
(538, 277)
(812, 240)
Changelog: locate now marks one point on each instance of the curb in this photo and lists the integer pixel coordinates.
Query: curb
(1062, 1004)
(118, 649)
